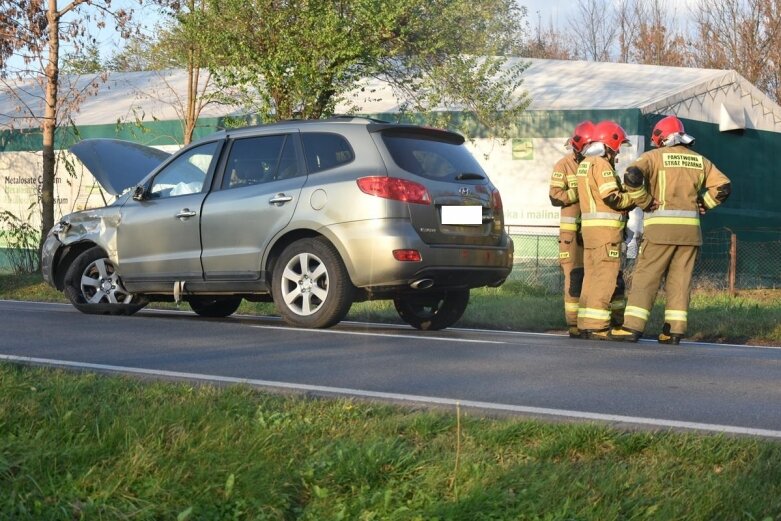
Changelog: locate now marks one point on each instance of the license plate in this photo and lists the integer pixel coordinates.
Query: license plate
(462, 214)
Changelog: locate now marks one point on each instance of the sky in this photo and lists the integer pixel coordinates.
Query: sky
(539, 12)
(558, 12)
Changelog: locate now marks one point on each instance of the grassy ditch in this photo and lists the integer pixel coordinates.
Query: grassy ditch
(86, 446)
(752, 317)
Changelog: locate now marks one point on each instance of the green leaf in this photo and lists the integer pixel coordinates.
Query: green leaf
(185, 514)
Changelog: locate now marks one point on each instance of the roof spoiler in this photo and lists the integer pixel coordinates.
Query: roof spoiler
(437, 134)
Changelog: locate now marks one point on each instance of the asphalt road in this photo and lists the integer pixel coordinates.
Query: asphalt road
(733, 389)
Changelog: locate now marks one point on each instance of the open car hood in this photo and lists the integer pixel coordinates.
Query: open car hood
(117, 165)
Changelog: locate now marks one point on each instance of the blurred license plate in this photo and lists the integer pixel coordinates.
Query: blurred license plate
(462, 214)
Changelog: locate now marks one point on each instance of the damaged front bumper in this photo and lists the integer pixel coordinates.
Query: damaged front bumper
(48, 257)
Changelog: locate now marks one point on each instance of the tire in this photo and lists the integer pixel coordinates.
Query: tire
(432, 311)
(310, 284)
(93, 286)
(214, 307)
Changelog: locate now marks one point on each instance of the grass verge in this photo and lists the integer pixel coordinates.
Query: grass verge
(86, 446)
(753, 317)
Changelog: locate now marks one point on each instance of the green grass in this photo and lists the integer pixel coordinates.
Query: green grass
(86, 446)
(753, 317)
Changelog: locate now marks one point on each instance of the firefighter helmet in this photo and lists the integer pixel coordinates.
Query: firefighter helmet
(666, 127)
(581, 136)
(610, 134)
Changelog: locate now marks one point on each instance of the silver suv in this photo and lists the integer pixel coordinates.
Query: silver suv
(315, 215)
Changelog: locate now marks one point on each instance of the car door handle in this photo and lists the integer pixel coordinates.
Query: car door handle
(185, 213)
(280, 199)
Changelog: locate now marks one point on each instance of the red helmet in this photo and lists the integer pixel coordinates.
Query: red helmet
(610, 134)
(581, 136)
(664, 128)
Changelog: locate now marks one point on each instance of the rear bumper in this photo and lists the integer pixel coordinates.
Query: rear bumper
(367, 248)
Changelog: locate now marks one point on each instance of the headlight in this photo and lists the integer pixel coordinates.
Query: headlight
(58, 228)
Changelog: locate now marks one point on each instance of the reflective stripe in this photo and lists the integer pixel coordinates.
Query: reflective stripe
(634, 311)
(572, 194)
(597, 314)
(709, 201)
(602, 222)
(558, 184)
(603, 215)
(570, 227)
(673, 213)
(637, 194)
(572, 179)
(571, 306)
(691, 221)
(675, 315)
(573, 220)
(607, 187)
(662, 189)
(687, 217)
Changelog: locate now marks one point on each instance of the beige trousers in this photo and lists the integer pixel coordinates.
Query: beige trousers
(571, 260)
(601, 298)
(652, 263)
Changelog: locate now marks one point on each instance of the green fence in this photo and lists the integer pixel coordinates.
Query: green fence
(728, 260)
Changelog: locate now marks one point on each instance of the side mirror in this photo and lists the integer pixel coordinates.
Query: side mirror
(139, 193)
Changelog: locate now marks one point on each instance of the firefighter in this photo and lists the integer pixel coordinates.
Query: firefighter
(674, 185)
(564, 194)
(603, 206)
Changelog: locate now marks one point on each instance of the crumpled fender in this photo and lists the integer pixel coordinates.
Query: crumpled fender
(98, 226)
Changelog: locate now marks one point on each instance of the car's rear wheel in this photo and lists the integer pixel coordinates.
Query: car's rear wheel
(310, 284)
(214, 307)
(93, 286)
(434, 310)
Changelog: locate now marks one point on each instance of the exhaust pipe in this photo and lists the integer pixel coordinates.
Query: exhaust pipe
(422, 284)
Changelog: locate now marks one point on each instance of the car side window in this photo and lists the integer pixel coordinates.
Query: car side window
(325, 150)
(186, 174)
(261, 159)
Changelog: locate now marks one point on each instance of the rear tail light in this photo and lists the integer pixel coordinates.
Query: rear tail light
(395, 188)
(496, 200)
(407, 255)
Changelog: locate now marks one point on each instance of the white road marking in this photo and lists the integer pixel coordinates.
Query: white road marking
(387, 335)
(401, 326)
(411, 398)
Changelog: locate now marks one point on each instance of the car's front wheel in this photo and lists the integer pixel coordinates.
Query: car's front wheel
(310, 284)
(93, 286)
(432, 311)
(215, 307)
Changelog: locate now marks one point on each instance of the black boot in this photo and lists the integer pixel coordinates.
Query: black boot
(597, 334)
(623, 334)
(665, 337)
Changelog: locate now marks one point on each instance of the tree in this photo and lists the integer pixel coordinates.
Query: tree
(299, 58)
(86, 61)
(656, 41)
(548, 43)
(33, 30)
(176, 44)
(744, 35)
(593, 30)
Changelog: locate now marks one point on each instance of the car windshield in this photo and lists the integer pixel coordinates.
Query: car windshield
(431, 158)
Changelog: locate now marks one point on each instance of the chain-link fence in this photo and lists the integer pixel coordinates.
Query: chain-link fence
(730, 259)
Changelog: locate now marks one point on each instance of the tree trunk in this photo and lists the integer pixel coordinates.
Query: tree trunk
(50, 122)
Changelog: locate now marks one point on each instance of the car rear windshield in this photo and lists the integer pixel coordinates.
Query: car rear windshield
(430, 157)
